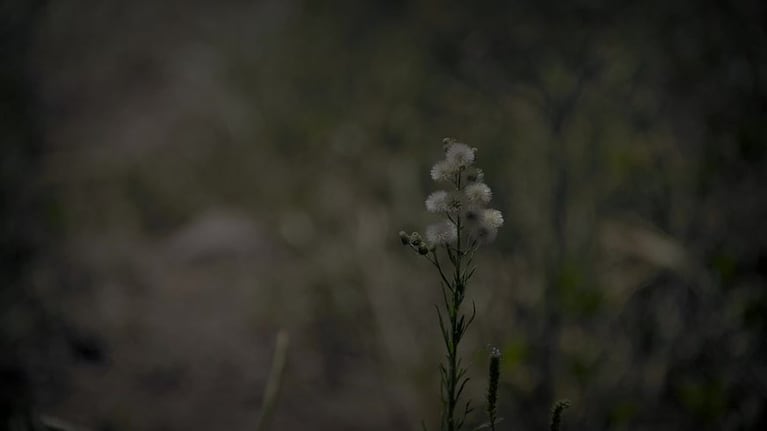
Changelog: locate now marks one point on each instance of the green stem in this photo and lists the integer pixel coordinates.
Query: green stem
(454, 377)
(456, 331)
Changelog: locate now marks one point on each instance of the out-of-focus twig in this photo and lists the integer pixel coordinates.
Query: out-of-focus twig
(275, 380)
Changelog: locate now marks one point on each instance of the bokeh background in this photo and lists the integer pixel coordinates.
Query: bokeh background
(181, 180)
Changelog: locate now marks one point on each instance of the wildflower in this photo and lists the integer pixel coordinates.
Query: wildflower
(478, 193)
(454, 203)
(492, 218)
(460, 155)
(444, 202)
(464, 205)
(441, 233)
(487, 223)
(437, 202)
(443, 170)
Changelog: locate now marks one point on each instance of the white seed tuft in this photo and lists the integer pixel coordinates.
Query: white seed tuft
(443, 170)
(460, 155)
(441, 233)
(492, 218)
(437, 202)
(478, 193)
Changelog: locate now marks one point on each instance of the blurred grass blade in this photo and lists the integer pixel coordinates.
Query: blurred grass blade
(50, 423)
(486, 425)
(275, 380)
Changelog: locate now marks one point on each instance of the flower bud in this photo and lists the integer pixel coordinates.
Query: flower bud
(404, 237)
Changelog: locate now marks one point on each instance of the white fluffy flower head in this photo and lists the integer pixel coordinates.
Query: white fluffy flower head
(443, 170)
(441, 233)
(463, 202)
(485, 224)
(460, 155)
(478, 193)
(492, 218)
(437, 202)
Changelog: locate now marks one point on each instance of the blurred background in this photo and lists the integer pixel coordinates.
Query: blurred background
(181, 180)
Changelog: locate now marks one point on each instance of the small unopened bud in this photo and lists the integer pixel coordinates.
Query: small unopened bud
(415, 239)
(423, 249)
(404, 237)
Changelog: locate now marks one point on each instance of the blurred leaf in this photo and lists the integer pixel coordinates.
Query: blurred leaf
(706, 399)
(623, 412)
(514, 353)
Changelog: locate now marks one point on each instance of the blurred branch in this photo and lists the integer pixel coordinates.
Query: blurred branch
(645, 244)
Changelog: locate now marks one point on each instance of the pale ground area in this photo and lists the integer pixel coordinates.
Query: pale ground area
(189, 324)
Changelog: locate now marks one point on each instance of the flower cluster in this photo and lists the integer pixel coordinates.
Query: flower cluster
(467, 222)
(464, 204)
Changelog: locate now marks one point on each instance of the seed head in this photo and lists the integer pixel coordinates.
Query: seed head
(478, 193)
(460, 155)
(437, 202)
(492, 218)
(443, 170)
(441, 233)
